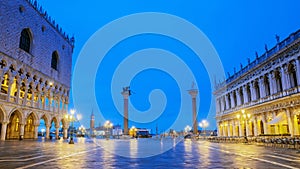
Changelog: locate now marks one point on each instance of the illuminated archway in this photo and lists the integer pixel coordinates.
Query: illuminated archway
(14, 126)
(29, 130)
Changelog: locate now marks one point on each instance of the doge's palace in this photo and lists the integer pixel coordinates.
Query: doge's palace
(263, 97)
(35, 70)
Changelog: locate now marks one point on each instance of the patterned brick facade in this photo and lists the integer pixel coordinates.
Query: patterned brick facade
(35, 70)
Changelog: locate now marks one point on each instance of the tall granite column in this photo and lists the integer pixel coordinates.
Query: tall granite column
(194, 93)
(125, 94)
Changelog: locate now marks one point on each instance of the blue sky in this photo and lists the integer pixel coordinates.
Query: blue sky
(237, 29)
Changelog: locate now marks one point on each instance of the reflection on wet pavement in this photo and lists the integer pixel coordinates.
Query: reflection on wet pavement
(142, 153)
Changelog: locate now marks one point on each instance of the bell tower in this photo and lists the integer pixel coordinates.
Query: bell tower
(92, 122)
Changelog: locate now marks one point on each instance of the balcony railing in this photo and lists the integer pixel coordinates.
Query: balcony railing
(279, 46)
(29, 103)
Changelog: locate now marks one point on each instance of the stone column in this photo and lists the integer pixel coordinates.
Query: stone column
(262, 88)
(296, 126)
(39, 99)
(247, 127)
(32, 97)
(11, 81)
(232, 99)
(44, 101)
(245, 94)
(233, 128)
(50, 99)
(125, 94)
(228, 129)
(194, 93)
(65, 132)
(271, 82)
(240, 128)
(22, 126)
(298, 71)
(238, 98)
(255, 126)
(18, 90)
(219, 129)
(48, 131)
(226, 102)
(56, 132)
(217, 105)
(224, 130)
(283, 78)
(265, 125)
(26, 93)
(253, 92)
(290, 122)
(223, 104)
(36, 131)
(3, 131)
(59, 103)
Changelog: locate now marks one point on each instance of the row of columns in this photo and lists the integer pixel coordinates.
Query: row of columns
(55, 105)
(235, 127)
(241, 95)
(22, 127)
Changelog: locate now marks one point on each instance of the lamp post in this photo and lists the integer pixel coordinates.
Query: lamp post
(203, 124)
(187, 128)
(71, 118)
(82, 130)
(107, 125)
(244, 117)
(43, 130)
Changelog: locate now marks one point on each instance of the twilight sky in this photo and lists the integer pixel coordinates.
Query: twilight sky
(236, 29)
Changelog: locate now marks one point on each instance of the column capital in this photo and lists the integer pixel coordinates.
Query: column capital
(193, 93)
(125, 94)
(4, 122)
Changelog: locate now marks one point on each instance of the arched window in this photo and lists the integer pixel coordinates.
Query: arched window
(54, 60)
(292, 75)
(25, 40)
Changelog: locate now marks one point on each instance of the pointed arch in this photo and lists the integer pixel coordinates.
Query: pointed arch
(26, 40)
(13, 130)
(55, 60)
(18, 112)
(30, 123)
(2, 114)
(64, 122)
(55, 121)
(46, 118)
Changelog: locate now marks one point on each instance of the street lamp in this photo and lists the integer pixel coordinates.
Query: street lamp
(107, 125)
(82, 130)
(71, 118)
(43, 130)
(187, 128)
(203, 124)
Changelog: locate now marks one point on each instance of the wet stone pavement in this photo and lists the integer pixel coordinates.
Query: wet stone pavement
(142, 153)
